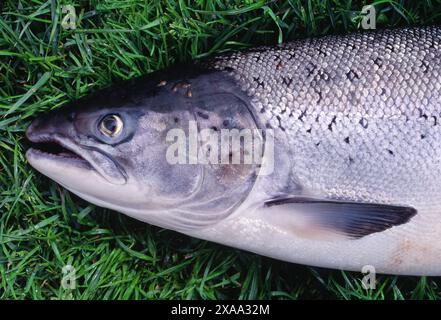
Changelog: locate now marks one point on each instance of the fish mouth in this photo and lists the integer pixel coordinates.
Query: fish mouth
(54, 147)
(57, 149)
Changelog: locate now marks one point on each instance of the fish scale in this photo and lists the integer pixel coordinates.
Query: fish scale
(380, 90)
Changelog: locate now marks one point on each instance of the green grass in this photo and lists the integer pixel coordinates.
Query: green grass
(43, 227)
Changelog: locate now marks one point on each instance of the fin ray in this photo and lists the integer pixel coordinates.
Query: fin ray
(352, 219)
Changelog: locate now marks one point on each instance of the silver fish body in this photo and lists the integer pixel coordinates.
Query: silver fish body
(356, 151)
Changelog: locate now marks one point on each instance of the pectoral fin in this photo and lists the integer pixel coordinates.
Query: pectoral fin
(323, 218)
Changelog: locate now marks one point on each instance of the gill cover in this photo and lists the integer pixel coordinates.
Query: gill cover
(217, 106)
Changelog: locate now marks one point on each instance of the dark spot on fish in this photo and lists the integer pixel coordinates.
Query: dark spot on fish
(287, 81)
(309, 130)
(176, 119)
(310, 68)
(363, 122)
(302, 114)
(383, 91)
(435, 120)
(227, 123)
(323, 75)
(262, 110)
(347, 140)
(268, 126)
(425, 66)
(317, 119)
(352, 75)
(332, 122)
(423, 136)
(203, 115)
(322, 52)
(259, 82)
(214, 128)
(390, 47)
(279, 66)
(351, 160)
(390, 152)
(378, 61)
(351, 45)
(422, 114)
(319, 95)
(317, 144)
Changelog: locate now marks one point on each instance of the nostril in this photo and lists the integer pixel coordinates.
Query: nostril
(32, 127)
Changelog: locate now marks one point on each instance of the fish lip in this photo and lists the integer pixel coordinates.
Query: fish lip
(34, 153)
(78, 158)
(81, 160)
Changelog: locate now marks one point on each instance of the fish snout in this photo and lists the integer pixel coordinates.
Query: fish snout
(33, 129)
(47, 125)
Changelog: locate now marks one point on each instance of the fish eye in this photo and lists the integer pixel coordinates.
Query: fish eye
(111, 125)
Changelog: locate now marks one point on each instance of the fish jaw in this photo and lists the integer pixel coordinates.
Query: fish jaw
(68, 169)
(58, 166)
(79, 176)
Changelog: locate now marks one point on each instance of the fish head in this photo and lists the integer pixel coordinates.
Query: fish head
(135, 148)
